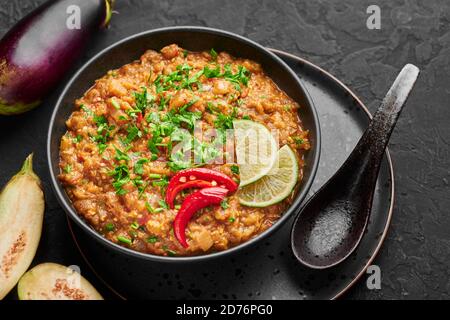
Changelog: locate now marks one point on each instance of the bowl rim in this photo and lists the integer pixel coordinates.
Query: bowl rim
(70, 211)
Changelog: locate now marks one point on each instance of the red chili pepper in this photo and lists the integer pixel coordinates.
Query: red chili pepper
(170, 196)
(194, 202)
(139, 118)
(184, 179)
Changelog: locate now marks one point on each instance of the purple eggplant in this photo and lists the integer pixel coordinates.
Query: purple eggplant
(37, 52)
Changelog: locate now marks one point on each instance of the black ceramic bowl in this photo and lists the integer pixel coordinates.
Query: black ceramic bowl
(194, 39)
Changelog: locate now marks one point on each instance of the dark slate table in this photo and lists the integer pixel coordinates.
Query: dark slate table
(415, 258)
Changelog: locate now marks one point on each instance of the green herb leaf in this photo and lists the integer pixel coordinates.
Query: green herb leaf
(88, 111)
(120, 155)
(235, 169)
(170, 252)
(133, 133)
(213, 54)
(161, 183)
(224, 121)
(224, 204)
(78, 138)
(152, 239)
(211, 108)
(212, 73)
(142, 99)
(163, 204)
(68, 168)
(241, 77)
(103, 132)
(139, 166)
(298, 140)
(124, 240)
(110, 227)
(135, 225)
(121, 176)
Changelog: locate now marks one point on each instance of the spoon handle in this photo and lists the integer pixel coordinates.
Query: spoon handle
(372, 144)
(385, 118)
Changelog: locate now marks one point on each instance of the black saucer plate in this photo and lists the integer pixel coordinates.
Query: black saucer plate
(267, 271)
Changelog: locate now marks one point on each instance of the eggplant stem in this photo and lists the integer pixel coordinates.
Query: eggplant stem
(109, 6)
(27, 169)
(27, 166)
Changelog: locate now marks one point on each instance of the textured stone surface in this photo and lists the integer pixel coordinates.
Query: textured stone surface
(415, 258)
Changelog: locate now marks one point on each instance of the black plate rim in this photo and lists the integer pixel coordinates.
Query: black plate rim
(58, 190)
(391, 175)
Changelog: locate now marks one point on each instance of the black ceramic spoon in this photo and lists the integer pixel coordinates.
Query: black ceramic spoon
(332, 223)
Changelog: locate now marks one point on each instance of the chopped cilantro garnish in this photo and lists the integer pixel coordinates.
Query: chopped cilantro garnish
(241, 77)
(78, 138)
(88, 111)
(211, 108)
(163, 204)
(135, 225)
(169, 251)
(68, 168)
(133, 234)
(139, 166)
(179, 79)
(140, 184)
(110, 227)
(124, 240)
(298, 140)
(212, 73)
(120, 155)
(149, 207)
(100, 121)
(213, 54)
(235, 169)
(133, 133)
(153, 117)
(103, 132)
(163, 102)
(224, 204)
(152, 239)
(225, 121)
(121, 176)
(142, 99)
(161, 183)
(206, 152)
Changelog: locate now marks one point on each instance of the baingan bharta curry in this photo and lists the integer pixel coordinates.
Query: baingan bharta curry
(121, 167)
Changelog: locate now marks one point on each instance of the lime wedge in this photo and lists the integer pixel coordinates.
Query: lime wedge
(256, 150)
(276, 185)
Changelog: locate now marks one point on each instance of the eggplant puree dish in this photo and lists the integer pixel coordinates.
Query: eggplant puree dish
(122, 171)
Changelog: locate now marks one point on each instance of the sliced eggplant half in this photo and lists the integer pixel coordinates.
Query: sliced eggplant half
(21, 217)
(51, 281)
